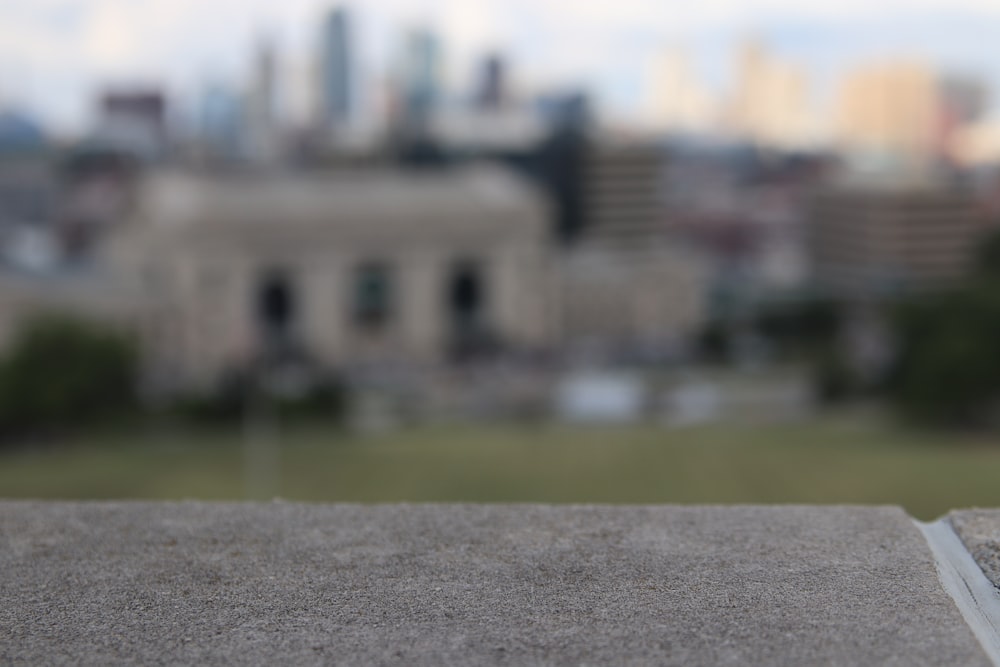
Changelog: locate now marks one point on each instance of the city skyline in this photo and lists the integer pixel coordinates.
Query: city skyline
(55, 55)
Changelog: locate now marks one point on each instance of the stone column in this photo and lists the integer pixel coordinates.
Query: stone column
(420, 306)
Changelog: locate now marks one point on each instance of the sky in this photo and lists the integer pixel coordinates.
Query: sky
(55, 54)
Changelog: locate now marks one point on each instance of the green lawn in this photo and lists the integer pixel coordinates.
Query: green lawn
(837, 459)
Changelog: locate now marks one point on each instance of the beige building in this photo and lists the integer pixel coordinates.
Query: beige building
(624, 285)
(978, 144)
(772, 102)
(677, 100)
(340, 270)
(889, 109)
(628, 294)
(867, 241)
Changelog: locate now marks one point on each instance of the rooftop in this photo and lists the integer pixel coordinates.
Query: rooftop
(475, 195)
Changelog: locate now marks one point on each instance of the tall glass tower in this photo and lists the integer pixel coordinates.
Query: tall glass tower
(336, 69)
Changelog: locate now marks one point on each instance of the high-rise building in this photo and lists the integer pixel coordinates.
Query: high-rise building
(20, 134)
(336, 71)
(771, 105)
(964, 98)
(678, 103)
(261, 126)
(421, 76)
(876, 242)
(220, 122)
(963, 103)
(491, 91)
(977, 144)
(623, 189)
(565, 110)
(891, 110)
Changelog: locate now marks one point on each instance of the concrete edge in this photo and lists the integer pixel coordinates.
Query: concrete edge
(974, 595)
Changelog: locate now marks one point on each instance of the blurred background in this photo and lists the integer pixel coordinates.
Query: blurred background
(499, 250)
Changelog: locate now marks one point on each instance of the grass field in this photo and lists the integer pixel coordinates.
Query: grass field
(847, 458)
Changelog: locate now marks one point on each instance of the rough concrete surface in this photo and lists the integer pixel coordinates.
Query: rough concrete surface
(191, 583)
(979, 530)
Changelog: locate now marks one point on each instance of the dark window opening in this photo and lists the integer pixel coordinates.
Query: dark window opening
(276, 305)
(466, 299)
(466, 295)
(373, 297)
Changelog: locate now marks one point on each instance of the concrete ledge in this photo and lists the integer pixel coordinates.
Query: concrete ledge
(123, 583)
(980, 531)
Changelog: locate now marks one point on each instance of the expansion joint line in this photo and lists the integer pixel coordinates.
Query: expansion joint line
(975, 595)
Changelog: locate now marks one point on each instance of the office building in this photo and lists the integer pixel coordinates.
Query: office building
(420, 77)
(890, 110)
(491, 90)
(336, 70)
(771, 104)
(868, 241)
(622, 188)
(678, 103)
(261, 126)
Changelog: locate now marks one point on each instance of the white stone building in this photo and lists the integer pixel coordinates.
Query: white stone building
(364, 271)
(341, 270)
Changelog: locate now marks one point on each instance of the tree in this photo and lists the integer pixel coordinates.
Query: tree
(988, 258)
(325, 397)
(947, 368)
(807, 324)
(61, 373)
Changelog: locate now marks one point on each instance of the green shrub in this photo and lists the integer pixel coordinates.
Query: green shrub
(835, 380)
(714, 342)
(988, 257)
(324, 400)
(947, 369)
(62, 373)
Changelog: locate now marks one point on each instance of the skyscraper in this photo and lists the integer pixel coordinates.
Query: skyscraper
(421, 75)
(261, 127)
(491, 91)
(678, 102)
(890, 109)
(771, 105)
(963, 102)
(220, 121)
(336, 69)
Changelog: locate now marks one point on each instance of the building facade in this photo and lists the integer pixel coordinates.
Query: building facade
(628, 300)
(890, 110)
(623, 188)
(339, 271)
(771, 104)
(875, 242)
